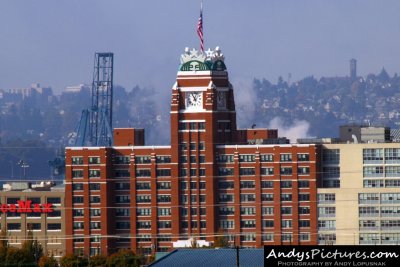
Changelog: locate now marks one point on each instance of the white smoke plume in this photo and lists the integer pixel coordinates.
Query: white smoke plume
(299, 129)
(245, 101)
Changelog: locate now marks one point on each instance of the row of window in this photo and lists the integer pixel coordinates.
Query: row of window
(223, 158)
(33, 226)
(375, 198)
(380, 155)
(385, 211)
(383, 238)
(192, 126)
(34, 200)
(383, 224)
(264, 197)
(381, 183)
(226, 171)
(230, 224)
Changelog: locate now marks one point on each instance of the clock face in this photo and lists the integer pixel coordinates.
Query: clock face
(221, 100)
(194, 99)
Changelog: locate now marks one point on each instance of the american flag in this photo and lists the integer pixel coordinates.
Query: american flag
(200, 29)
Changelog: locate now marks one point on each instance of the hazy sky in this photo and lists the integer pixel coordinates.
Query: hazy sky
(53, 42)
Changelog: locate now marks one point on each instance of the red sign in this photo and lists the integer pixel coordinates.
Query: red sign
(27, 207)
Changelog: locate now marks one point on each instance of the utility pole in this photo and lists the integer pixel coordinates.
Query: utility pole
(237, 256)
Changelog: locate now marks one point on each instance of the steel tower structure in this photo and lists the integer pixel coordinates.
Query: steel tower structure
(100, 125)
(95, 126)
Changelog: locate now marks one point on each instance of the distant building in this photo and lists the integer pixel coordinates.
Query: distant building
(364, 134)
(77, 88)
(34, 207)
(353, 69)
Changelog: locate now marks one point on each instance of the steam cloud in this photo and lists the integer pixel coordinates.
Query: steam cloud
(299, 129)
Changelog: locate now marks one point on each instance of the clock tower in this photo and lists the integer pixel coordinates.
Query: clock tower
(202, 116)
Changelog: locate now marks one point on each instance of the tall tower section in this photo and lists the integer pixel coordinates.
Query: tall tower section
(100, 127)
(353, 68)
(202, 116)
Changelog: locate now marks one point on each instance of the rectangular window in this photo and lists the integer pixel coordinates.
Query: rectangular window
(202, 172)
(247, 184)
(267, 158)
(267, 223)
(247, 158)
(225, 198)
(163, 159)
(77, 173)
(94, 173)
(202, 159)
(183, 198)
(368, 198)
(143, 225)
(372, 156)
(227, 224)
(95, 212)
(142, 186)
(163, 211)
(143, 198)
(193, 172)
(54, 226)
(247, 210)
(286, 197)
(163, 185)
(247, 171)
(201, 145)
(303, 184)
(122, 160)
(286, 184)
(267, 210)
(78, 212)
(143, 172)
(77, 187)
(122, 186)
(225, 185)
(142, 159)
(286, 170)
(163, 172)
(327, 225)
(267, 171)
(392, 155)
(247, 197)
(192, 146)
(390, 198)
(225, 158)
(122, 225)
(369, 212)
(248, 224)
(225, 171)
(77, 199)
(375, 171)
(122, 199)
(122, 173)
(164, 224)
(326, 211)
(77, 160)
(95, 187)
(286, 210)
(286, 224)
(326, 198)
(192, 159)
(182, 172)
(143, 212)
(227, 211)
(267, 184)
(267, 197)
(122, 212)
(304, 236)
(303, 157)
(94, 160)
(33, 226)
(304, 197)
(303, 170)
(304, 210)
(163, 198)
(53, 200)
(331, 156)
(286, 157)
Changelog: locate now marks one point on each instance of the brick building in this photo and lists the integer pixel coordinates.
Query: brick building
(213, 179)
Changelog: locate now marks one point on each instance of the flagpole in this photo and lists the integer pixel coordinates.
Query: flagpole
(200, 28)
